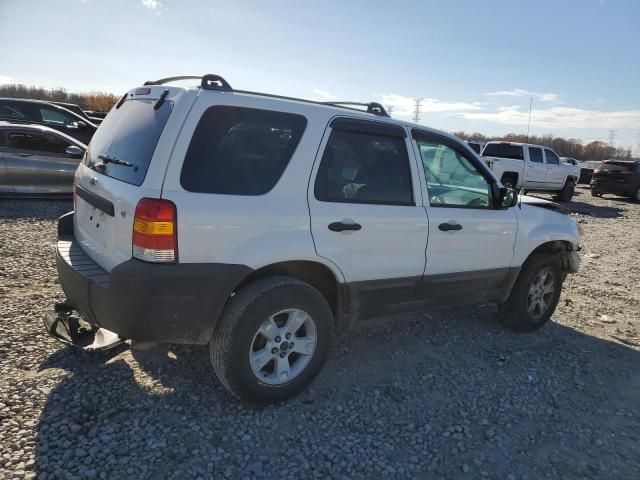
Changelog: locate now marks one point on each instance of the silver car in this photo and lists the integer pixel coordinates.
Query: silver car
(37, 160)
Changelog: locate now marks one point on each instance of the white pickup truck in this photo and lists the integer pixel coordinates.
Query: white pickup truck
(531, 167)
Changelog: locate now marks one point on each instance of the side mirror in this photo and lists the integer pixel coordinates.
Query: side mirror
(503, 197)
(81, 124)
(74, 151)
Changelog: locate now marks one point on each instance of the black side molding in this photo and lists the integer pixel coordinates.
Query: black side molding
(96, 200)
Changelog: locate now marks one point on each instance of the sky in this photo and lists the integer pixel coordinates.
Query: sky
(476, 64)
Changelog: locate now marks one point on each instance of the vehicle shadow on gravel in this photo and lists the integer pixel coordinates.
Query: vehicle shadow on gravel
(596, 211)
(448, 393)
(39, 209)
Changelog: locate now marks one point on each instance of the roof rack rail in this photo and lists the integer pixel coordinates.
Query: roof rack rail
(372, 107)
(207, 82)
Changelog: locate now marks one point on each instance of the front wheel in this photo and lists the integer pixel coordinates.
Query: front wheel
(272, 339)
(535, 295)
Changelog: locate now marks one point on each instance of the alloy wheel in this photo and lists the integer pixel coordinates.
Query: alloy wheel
(541, 293)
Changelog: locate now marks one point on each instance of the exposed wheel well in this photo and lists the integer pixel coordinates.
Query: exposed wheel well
(512, 175)
(556, 247)
(313, 273)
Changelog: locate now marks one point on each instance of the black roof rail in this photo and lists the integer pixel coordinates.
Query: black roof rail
(372, 107)
(208, 82)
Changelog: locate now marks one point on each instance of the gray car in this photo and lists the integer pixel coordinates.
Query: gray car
(37, 160)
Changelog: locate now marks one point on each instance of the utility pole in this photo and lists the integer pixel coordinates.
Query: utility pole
(612, 136)
(416, 110)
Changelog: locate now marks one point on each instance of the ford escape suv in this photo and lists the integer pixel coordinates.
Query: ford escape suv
(264, 225)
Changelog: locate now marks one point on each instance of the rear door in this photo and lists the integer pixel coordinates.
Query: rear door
(470, 246)
(617, 176)
(107, 193)
(37, 162)
(6, 187)
(366, 212)
(556, 171)
(536, 170)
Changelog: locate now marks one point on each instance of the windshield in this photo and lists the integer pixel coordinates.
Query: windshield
(503, 150)
(127, 138)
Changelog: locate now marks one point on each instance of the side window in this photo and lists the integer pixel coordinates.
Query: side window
(359, 167)
(240, 151)
(7, 112)
(51, 115)
(452, 179)
(535, 154)
(55, 144)
(26, 141)
(552, 158)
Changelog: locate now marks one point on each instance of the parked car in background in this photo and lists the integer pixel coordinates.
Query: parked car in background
(37, 160)
(96, 114)
(264, 225)
(586, 171)
(49, 115)
(570, 161)
(617, 177)
(476, 145)
(532, 168)
(72, 107)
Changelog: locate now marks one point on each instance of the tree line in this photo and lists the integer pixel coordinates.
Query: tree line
(97, 101)
(572, 147)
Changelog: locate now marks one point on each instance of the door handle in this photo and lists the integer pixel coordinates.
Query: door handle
(445, 227)
(341, 226)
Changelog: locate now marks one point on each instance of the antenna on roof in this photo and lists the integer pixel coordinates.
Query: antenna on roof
(529, 125)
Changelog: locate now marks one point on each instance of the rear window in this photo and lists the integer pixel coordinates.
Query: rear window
(620, 166)
(129, 134)
(503, 150)
(240, 151)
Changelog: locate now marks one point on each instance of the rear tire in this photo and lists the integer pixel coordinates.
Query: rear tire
(636, 195)
(566, 194)
(509, 181)
(249, 352)
(535, 294)
(595, 193)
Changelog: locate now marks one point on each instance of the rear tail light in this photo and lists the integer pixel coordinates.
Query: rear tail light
(155, 234)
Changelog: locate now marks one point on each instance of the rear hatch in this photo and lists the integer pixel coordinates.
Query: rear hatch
(124, 163)
(615, 173)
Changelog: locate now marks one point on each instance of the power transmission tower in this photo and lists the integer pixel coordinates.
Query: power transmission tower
(416, 109)
(638, 139)
(389, 109)
(612, 136)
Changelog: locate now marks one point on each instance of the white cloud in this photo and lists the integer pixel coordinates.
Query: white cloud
(560, 117)
(404, 106)
(153, 5)
(519, 92)
(7, 79)
(323, 95)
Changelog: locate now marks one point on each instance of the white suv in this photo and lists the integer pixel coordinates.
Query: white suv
(263, 225)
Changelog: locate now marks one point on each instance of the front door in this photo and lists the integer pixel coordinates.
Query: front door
(36, 163)
(366, 212)
(470, 246)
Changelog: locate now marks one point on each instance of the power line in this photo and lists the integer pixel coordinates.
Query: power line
(416, 109)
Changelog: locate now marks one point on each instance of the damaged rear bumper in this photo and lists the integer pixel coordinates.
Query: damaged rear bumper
(175, 303)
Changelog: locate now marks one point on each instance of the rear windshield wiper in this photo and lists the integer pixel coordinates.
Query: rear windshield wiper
(108, 159)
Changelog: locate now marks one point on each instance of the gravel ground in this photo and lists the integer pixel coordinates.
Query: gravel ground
(448, 394)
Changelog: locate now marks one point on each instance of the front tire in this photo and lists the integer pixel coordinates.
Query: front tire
(272, 339)
(508, 181)
(535, 294)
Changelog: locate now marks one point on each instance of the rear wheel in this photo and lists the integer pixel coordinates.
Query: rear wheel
(636, 195)
(535, 295)
(272, 339)
(595, 193)
(508, 181)
(566, 194)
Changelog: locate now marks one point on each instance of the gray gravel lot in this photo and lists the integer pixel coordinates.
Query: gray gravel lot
(449, 394)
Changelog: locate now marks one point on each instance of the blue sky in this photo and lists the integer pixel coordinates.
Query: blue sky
(476, 63)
